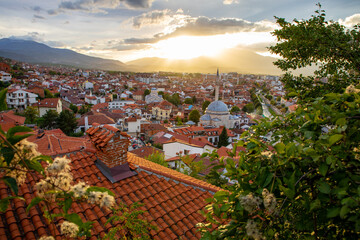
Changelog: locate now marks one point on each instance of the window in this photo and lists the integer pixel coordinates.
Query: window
(186, 152)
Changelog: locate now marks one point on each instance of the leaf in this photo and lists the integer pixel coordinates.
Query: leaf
(280, 148)
(34, 201)
(35, 165)
(17, 129)
(11, 182)
(315, 205)
(344, 210)
(15, 139)
(287, 191)
(100, 189)
(333, 212)
(323, 169)
(220, 195)
(268, 179)
(341, 122)
(324, 188)
(335, 138)
(4, 204)
(74, 218)
(291, 149)
(67, 204)
(43, 158)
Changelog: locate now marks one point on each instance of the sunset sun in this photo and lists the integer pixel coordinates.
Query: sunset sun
(187, 47)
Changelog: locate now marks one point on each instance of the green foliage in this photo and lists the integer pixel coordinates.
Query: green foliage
(194, 116)
(147, 92)
(188, 101)
(193, 167)
(73, 108)
(84, 109)
(249, 108)
(31, 114)
(3, 105)
(132, 226)
(223, 138)
(194, 100)
(48, 94)
(158, 158)
(313, 173)
(205, 105)
(174, 99)
(67, 122)
(235, 109)
(326, 44)
(49, 120)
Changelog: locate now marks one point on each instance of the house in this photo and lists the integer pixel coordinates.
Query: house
(172, 200)
(119, 104)
(5, 77)
(49, 104)
(162, 110)
(138, 95)
(9, 119)
(145, 152)
(86, 121)
(20, 98)
(133, 124)
(55, 142)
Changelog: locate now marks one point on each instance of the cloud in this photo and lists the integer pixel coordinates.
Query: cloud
(204, 26)
(37, 8)
(37, 37)
(153, 17)
(38, 16)
(351, 21)
(99, 5)
(229, 2)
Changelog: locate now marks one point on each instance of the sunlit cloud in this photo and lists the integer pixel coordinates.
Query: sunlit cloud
(229, 2)
(351, 21)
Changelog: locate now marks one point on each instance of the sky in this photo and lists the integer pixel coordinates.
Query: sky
(126, 30)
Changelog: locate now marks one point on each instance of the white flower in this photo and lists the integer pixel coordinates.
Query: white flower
(79, 189)
(352, 89)
(47, 238)
(249, 202)
(59, 165)
(63, 181)
(42, 187)
(69, 229)
(269, 200)
(107, 200)
(252, 230)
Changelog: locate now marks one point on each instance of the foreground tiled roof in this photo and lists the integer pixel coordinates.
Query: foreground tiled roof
(172, 201)
(55, 142)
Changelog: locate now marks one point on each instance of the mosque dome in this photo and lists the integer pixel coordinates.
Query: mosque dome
(217, 107)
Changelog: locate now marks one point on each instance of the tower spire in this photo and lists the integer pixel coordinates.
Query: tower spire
(217, 85)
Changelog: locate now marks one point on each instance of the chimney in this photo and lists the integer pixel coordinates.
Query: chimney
(112, 145)
(86, 120)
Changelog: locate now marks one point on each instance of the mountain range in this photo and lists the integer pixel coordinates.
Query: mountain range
(232, 60)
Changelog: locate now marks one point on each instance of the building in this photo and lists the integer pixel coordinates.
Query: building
(217, 114)
(49, 104)
(5, 77)
(20, 99)
(172, 200)
(162, 110)
(119, 104)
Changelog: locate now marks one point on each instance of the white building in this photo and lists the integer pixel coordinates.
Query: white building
(20, 99)
(119, 104)
(5, 77)
(50, 104)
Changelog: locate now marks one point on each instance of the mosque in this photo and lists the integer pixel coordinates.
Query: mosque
(217, 113)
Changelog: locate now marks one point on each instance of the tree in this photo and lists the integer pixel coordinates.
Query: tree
(48, 94)
(235, 109)
(249, 108)
(333, 48)
(223, 138)
(73, 108)
(3, 105)
(147, 92)
(31, 113)
(158, 158)
(67, 122)
(308, 185)
(84, 109)
(205, 105)
(188, 101)
(49, 120)
(194, 116)
(194, 100)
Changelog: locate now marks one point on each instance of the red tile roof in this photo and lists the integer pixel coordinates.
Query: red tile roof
(49, 102)
(171, 200)
(55, 142)
(9, 120)
(146, 151)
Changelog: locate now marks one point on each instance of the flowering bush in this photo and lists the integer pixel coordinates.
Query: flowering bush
(57, 188)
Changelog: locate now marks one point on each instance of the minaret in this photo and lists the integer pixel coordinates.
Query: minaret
(217, 85)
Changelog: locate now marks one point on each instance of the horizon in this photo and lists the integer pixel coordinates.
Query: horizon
(128, 30)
